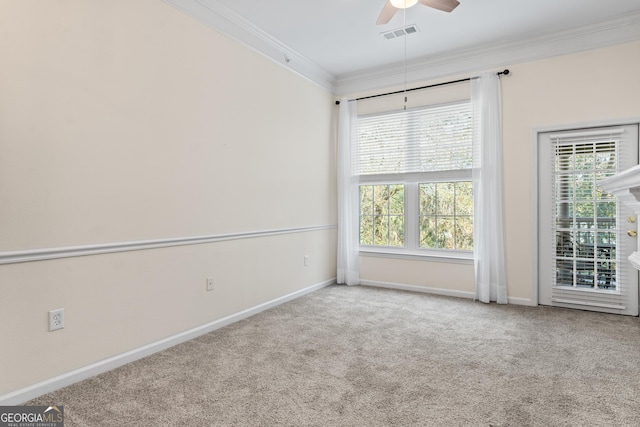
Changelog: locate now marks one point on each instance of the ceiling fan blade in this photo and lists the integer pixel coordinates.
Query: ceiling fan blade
(387, 13)
(443, 5)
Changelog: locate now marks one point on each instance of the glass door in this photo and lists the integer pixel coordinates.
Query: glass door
(583, 242)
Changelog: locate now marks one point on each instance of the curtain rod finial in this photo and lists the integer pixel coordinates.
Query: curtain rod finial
(337, 102)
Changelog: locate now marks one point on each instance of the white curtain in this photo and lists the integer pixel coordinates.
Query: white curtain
(348, 269)
(488, 232)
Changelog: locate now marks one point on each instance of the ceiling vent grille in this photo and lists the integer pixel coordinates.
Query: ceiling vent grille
(400, 32)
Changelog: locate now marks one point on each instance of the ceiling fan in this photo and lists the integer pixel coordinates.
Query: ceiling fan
(391, 7)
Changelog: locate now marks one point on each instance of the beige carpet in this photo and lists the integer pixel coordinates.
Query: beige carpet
(360, 356)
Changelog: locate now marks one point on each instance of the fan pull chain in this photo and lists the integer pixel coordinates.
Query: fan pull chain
(404, 14)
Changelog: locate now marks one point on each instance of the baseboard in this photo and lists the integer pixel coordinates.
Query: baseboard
(438, 291)
(31, 392)
(521, 301)
(415, 288)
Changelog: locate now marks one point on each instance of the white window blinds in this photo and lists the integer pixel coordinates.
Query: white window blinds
(588, 239)
(432, 139)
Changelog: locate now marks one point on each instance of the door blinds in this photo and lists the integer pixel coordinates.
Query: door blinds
(588, 243)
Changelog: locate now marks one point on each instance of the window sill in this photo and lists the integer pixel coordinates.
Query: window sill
(454, 257)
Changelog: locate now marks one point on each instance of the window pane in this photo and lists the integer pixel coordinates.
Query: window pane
(585, 160)
(585, 247)
(606, 210)
(584, 186)
(564, 272)
(381, 230)
(464, 198)
(428, 199)
(585, 274)
(464, 233)
(396, 230)
(396, 199)
(446, 234)
(607, 275)
(382, 215)
(605, 160)
(564, 188)
(366, 200)
(606, 246)
(381, 199)
(445, 196)
(366, 230)
(446, 215)
(428, 231)
(584, 210)
(564, 214)
(564, 244)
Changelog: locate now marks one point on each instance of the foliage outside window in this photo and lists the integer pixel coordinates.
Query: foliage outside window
(446, 215)
(382, 215)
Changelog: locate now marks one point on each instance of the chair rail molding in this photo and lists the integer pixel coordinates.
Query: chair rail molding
(31, 255)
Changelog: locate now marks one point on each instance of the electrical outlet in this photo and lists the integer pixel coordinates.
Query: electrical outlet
(56, 319)
(209, 283)
(306, 260)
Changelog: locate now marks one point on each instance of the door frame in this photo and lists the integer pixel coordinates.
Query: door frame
(535, 163)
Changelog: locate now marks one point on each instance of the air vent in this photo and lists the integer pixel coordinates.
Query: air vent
(400, 32)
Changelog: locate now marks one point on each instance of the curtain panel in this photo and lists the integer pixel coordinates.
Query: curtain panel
(488, 234)
(348, 265)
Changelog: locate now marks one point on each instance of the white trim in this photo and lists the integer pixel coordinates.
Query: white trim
(455, 175)
(456, 257)
(565, 127)
(31, 255)
(470, 60)
(220, 18)
(535, 299)
(622, 182)
(55, 383)
(415, 288)
(484, 57)
(615, 131)
(587, 303)
(634, 259)
(521, 301)
(438, 291)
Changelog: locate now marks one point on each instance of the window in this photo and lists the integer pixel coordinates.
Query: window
(446, 215)
(585, 225)
(382, 215)
(414, 173)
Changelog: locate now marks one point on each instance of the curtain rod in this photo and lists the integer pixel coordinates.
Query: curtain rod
(505, 72)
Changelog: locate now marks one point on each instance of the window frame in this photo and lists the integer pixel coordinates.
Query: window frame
(411, 182)
(412, 248)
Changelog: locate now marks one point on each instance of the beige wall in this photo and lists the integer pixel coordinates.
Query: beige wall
(594, 87)
(128, 120)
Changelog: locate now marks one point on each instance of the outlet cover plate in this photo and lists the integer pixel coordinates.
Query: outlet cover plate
(56, 319)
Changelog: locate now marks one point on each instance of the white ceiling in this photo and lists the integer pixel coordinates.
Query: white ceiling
(340, 40)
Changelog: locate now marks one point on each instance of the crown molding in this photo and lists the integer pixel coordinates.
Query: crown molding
(464, 61)
(223, 20)
(483, 57)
